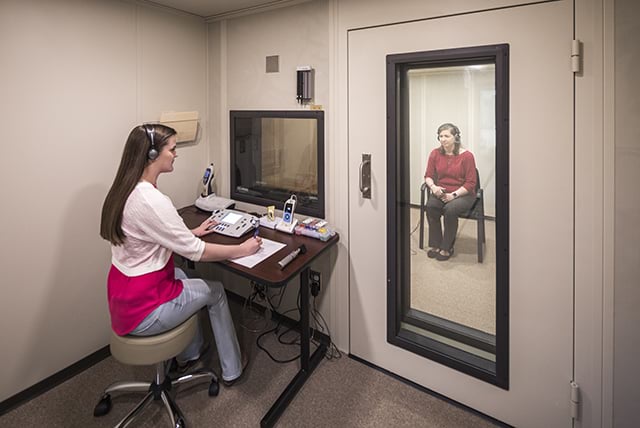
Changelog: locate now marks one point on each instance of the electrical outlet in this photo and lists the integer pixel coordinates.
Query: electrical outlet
(314, 282)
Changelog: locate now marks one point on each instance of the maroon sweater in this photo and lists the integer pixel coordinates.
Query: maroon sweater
(451, 172)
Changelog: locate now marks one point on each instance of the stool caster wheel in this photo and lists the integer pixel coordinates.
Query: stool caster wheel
(180, 423)
(214, 389)
(103, 407)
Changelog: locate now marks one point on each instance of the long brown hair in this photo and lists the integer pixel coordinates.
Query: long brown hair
(134, 159)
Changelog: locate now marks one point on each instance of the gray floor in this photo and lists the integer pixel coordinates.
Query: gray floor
(341, 393)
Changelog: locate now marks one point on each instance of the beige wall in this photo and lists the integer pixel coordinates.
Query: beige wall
(76, 76)
(626, 336)
(299, 35)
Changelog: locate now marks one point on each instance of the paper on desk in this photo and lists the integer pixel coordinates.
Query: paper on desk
(268, 248)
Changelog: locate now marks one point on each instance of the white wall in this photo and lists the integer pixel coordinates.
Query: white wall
(76, 76)
(456, 96)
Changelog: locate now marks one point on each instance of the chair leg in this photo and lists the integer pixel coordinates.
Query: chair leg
(421, 239)
(135, 411)
(481, 239)
(195, 375)
(158, 390)
(177, 418)
(168, 408)
(125, 386)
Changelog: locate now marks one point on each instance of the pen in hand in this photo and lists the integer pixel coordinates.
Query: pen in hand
(255, 232)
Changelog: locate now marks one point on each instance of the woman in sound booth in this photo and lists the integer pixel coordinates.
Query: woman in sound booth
(451, 177)
(147, 295)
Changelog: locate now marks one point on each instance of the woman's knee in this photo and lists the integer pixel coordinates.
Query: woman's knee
(217, 291)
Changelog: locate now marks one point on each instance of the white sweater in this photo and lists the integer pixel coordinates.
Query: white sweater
(153, 231)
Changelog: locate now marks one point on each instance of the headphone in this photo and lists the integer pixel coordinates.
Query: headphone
(152, 154)
(456, 131)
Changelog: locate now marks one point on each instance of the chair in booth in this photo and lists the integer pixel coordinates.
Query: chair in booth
(158, 350)
(476, 212)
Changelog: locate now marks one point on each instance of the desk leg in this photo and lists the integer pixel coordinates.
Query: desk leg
(307, 365)
(304, 320)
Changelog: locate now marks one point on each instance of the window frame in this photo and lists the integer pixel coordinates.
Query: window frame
(399, 314)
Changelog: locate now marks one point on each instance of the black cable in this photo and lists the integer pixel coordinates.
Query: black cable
(332, 350)
(257, 293)
(275, 329)
(320, 325)
(275, 307)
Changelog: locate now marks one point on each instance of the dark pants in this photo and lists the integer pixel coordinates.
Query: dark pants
(450, 211)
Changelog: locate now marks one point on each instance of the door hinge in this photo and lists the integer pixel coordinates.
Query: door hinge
(576, 56)
(574, 402)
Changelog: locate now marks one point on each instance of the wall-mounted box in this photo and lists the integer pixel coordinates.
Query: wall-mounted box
(184, 122)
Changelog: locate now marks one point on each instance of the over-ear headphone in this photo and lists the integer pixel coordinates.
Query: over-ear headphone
(456, 131)
(152, 154)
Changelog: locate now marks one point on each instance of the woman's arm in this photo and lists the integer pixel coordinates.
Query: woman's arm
(430, 173)
(216, 252)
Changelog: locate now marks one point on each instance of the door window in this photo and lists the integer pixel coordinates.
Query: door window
(447, 154)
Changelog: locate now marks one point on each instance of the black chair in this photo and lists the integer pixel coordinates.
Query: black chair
(476, 212)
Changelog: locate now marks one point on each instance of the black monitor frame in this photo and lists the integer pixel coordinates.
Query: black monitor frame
(278, 196)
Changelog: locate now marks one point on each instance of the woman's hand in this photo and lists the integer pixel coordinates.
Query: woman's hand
(251, 245)
(447, 197)
(437, 191)
(205, 228)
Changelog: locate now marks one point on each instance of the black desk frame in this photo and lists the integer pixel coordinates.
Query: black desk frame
(308, 362)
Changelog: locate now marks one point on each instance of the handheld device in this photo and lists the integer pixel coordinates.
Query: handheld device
(233, 223)
(288, 222)
(208, 200)
(289, 209)
(207, 179)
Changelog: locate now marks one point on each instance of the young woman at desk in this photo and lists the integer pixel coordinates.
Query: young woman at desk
(146, 294)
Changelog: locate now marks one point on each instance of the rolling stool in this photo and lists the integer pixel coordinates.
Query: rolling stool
(159, 350)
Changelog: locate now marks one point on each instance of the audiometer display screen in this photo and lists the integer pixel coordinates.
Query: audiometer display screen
(231, 218)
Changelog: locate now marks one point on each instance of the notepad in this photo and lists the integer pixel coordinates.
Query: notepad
(268, 248)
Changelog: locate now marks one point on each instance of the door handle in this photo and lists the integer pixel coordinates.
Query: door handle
(365, 176)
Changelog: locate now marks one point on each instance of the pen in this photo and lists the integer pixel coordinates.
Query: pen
(255, 232)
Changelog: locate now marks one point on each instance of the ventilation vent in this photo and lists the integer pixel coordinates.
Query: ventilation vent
(273, 65)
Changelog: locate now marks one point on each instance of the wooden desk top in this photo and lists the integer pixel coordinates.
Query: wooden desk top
(268, 271)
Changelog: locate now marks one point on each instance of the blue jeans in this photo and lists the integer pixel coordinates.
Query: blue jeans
(196, 294)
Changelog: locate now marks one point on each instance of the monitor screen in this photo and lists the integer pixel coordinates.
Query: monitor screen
(275, 154)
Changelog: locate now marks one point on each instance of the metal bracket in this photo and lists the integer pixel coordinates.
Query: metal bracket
(574, 403)
(576, 56)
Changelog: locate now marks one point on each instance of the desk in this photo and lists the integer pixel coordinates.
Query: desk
(268, 272)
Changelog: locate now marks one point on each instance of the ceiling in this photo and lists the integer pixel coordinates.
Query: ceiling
(212, 9)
